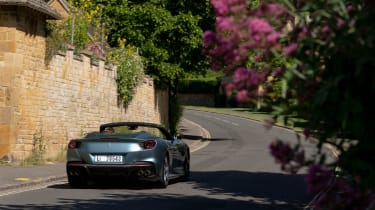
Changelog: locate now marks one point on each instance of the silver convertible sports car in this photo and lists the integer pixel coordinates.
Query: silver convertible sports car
(131, 151)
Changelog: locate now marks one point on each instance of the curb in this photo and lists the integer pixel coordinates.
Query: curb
(204, 141)
(32, 183)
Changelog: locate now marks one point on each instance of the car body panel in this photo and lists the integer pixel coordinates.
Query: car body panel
(124, 153)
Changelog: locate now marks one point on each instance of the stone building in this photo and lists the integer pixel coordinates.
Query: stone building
(21, 46)
(60, 6)
(43, 105)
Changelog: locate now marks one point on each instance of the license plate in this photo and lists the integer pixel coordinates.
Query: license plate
(108, 158)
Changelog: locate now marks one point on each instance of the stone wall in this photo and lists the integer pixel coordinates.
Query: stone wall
(47, 105)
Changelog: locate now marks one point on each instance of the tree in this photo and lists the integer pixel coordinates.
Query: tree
(166, 33)
(321, 52)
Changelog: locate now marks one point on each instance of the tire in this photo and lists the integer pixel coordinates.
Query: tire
(186, 175)
(164, 180)
(76, 181)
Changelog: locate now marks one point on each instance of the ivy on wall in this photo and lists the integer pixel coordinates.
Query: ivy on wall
(129, 70)
(74, 31)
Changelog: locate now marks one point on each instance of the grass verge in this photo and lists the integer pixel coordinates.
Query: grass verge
(290, 123)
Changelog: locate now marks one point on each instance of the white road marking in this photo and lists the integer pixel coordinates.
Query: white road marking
(220, 119)
(205, 135)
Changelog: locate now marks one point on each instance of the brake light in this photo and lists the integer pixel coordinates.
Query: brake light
(149, 144)
(73, 144)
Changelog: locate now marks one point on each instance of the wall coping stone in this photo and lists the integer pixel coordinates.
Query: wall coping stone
(38, 5)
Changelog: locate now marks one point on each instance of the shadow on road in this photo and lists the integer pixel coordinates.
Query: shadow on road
(270, 187)
(229, 190)
(194, 138)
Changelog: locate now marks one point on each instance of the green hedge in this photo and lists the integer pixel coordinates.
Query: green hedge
(199, 86)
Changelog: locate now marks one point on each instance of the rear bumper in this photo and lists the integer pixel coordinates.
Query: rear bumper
(139, 171)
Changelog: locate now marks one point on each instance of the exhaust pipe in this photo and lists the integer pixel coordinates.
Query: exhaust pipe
(140, 173)
(74, 172)
(147, 173)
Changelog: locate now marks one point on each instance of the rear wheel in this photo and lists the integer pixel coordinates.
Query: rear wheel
(76, 181)
(164, 180)
(186, 175)
(77, 178)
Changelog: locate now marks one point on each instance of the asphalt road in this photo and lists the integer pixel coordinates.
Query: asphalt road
(234, 171)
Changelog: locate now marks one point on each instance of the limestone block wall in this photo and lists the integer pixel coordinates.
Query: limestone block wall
(21, 46)
(78, 96)
(61, 7)
(47, 105)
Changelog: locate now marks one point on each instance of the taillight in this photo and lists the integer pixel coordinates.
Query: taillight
(149, 144)
(73, 144)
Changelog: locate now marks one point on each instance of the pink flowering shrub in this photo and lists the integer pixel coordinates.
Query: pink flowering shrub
(315, 60)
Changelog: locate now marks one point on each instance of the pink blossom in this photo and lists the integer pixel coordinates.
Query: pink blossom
(209, 37)
(340, 23)
(258, 58)
(240, 8)
(318, 178)
(302, 33)
(290, 49)
(326, 29)
(273, 9)
(349, 8)
(240, 74)
(221, 8)
(229, 89)
(273, 37)
(277, 72)
(339, 193)
(224, 23)
(307, 132)
(282, 152)
(242, 96)
(299, 157)
(224, 7)
(254, 78)
(257, 25)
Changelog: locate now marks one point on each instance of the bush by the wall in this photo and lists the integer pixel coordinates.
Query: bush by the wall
(199, 86)
(174, 114)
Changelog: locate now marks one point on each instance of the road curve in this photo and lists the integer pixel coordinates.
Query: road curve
(234, 171)
(237, 161)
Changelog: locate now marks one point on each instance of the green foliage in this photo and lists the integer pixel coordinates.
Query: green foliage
(59, 34)
(75, 31)
(199, 86)
(78, 27)
(129, 72)
(167, 34)
(54, 41)
(200, 9)
(39, 149)
(254, 3)
(174, 114)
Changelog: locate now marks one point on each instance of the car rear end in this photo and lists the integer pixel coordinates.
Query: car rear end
(113, 156)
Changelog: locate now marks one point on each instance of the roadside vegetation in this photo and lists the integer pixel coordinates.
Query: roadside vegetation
(267, 118)
(85, 33)
(158, 38)
(312, 60)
